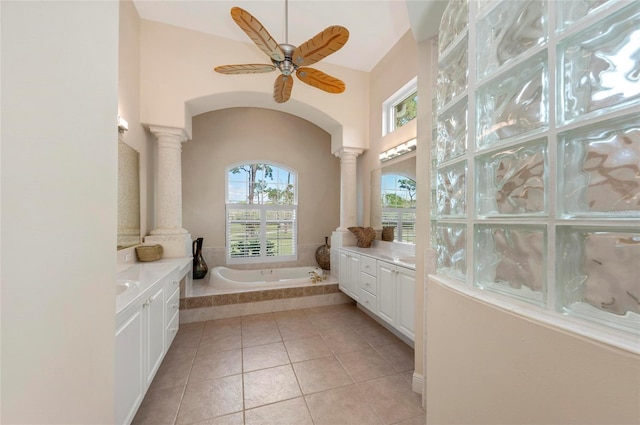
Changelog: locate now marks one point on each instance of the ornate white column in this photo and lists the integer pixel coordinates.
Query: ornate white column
(348, 195)
(169, 233)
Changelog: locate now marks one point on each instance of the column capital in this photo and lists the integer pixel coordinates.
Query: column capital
(345, 152)
(169, 132)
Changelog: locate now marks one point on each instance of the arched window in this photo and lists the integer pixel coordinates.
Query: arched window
(261, 213)
(399, 206)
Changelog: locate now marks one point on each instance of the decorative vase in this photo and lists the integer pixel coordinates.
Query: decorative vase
(388, 233)
(323, 255)
(200, 268)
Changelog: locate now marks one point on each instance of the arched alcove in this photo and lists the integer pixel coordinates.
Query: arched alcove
(216, 101)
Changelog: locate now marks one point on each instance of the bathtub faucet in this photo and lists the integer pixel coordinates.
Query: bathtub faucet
(315, 277)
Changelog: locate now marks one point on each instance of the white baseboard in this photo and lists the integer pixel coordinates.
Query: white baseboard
(417, 383)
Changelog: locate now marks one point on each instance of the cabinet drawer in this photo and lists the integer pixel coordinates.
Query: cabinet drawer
(172, 328)
(368, 265)
(367, 300)
(173, 304)
(368, 283)
(171, 282)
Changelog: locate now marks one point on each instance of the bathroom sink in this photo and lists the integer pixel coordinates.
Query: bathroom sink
(407, 260)
(124, 285)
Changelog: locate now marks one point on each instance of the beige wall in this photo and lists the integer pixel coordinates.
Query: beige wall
(488, 366)
(396, 69)
(179, 81)
(59, 196)
(129, 108)
(226, 137)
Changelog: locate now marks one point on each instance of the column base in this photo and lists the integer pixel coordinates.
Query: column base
(173, 245)
(340, 238)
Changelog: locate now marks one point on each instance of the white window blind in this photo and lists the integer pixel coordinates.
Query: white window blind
(261, 214)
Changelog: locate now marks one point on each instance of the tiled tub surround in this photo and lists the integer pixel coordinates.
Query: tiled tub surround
(324, 365)
(201, 301)
(208, 303)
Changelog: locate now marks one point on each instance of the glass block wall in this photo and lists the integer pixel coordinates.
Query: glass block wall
(536, 155)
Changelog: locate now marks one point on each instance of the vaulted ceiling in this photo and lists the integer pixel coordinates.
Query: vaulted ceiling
(374, 25)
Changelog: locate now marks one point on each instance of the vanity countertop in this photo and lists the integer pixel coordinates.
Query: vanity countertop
(401, 257)
(141, 276)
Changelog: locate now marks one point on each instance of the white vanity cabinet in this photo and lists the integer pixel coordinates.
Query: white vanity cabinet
(384, 288)
(140, 348)
(145, 329)
(349, 274)
(396, 295)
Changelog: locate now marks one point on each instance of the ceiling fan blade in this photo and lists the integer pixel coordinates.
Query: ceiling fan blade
(320, 80)
(248, 68)
(282, 88)
(257, 33)
(322, 45)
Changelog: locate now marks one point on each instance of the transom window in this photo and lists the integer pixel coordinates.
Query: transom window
(400, 108)
(399, 206)
(261, 213)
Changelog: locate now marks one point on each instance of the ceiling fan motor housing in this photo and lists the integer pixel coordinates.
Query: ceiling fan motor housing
(286, 66)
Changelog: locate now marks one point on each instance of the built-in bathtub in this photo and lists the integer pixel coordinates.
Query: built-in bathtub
(227, 278)
(228, 292)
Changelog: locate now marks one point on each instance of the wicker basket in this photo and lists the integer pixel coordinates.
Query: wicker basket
(388, 233)
(149, 252)
(364, 236)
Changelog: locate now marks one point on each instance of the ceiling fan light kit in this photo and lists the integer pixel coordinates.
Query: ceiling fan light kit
(289, 59)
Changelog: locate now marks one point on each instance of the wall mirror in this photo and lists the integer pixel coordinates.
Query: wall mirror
(128, 196)
(393, 197)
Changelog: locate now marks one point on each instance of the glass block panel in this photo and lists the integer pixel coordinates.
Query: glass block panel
(451, 190)
(452, 75)
(599, 68)
(513, 104)
(509, 30)
(434, 204)
(452, 132)
(600, 169)
(598, 275)
(511, 260)
(451, 250)
(434, 235)
(571, 11)
(513, 181)
(454, 21)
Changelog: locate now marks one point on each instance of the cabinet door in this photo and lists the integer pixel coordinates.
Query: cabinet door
(128, 372)
(154, 314)
(406, 301)
(386, 295)
(343, 272)
(354, 277)
(171, 315)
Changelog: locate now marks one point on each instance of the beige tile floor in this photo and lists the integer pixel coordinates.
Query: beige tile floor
(328, 365)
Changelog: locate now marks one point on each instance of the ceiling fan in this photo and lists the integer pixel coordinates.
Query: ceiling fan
(288, 58)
